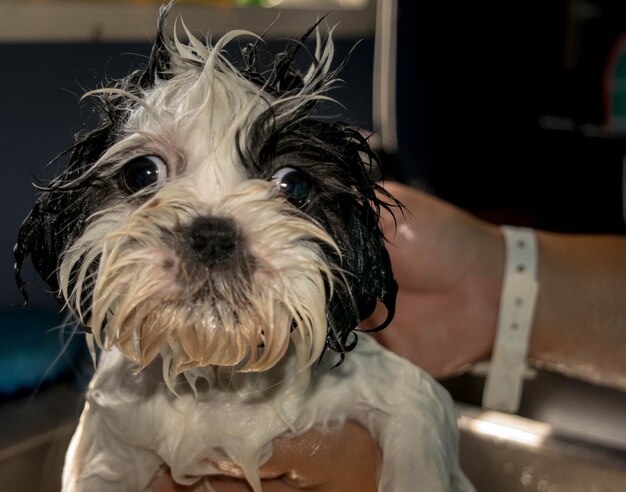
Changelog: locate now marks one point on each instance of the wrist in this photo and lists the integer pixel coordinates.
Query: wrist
(487, 286)
(480, 293)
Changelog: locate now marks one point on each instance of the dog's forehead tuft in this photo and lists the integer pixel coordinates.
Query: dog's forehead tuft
(204, 120)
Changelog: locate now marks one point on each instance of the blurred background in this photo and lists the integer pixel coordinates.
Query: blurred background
(515, 111)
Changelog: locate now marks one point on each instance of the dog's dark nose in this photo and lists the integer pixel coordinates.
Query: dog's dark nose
(214, 239)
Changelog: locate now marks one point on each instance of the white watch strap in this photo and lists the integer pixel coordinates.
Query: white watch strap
(503, 387)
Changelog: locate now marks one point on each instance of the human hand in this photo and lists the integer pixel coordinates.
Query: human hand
(448, 265)
(341, 461)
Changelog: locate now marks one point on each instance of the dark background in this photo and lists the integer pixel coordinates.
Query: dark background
(501, 110)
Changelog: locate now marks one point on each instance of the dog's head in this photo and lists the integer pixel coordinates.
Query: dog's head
(210, 218)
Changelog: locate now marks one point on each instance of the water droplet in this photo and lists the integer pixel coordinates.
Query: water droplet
(542, 485)
(528, 476)
(509, 467)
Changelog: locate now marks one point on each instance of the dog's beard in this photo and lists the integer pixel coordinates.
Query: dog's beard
(151, 295)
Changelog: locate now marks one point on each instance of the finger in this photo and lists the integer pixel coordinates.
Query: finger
(227, 484)
(163, 482)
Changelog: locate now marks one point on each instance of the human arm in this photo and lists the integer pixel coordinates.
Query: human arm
(580, 324)
(449, 267)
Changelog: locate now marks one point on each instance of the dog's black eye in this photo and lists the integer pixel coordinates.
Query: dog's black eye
(294, 184)
(143, 171)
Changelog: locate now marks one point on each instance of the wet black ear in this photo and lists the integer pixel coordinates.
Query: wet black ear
(61, 211)
(367, 275)
(378, 283)
(33, 236)
(55, 221)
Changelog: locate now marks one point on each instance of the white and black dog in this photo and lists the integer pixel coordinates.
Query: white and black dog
(222, 245)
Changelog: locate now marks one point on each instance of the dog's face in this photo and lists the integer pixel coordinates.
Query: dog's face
(210, 219)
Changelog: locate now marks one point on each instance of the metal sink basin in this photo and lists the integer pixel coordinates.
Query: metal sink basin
(34, 434)
(572, 437)
(576, 441)
(507, 453)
